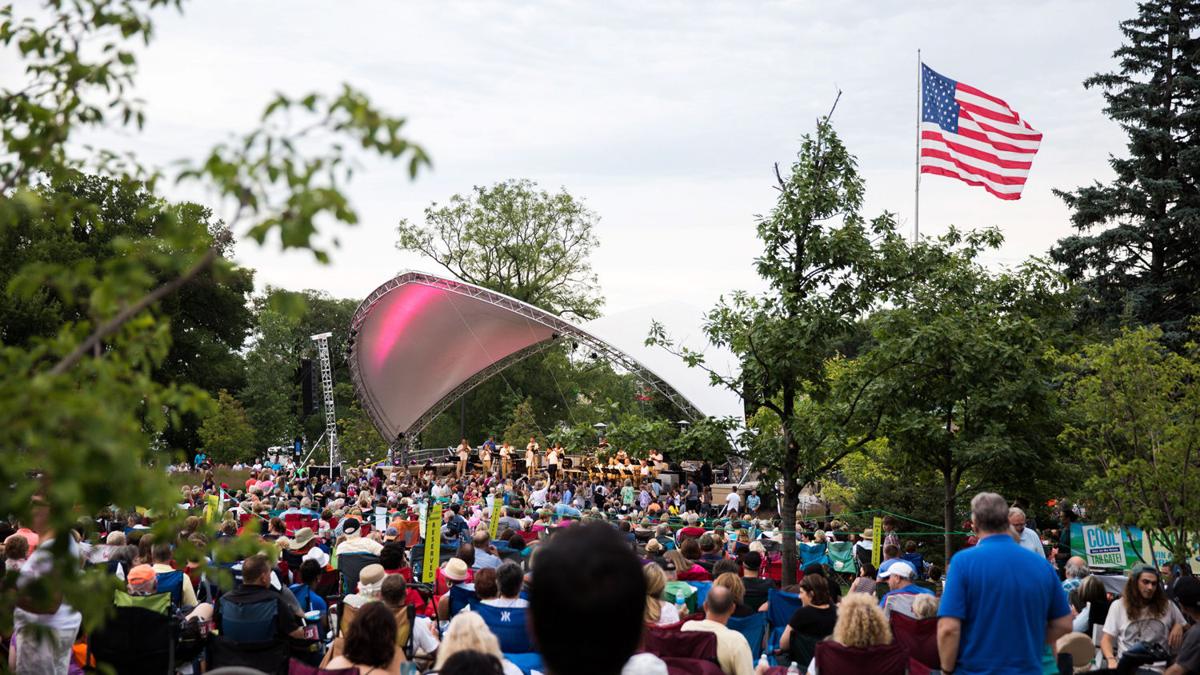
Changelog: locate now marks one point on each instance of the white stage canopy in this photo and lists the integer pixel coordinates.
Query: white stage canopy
(420, 342)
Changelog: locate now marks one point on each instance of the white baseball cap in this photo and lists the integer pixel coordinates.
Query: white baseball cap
(899, 568)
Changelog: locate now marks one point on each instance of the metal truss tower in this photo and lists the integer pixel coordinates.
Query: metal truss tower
(322, 341)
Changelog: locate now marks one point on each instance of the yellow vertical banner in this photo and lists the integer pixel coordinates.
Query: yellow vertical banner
(433, 543)
(494, 523)
(877, 541)
(212, 510)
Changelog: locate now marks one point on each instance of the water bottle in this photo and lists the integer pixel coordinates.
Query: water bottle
(681, 605)
(763, 661)
(793, 669)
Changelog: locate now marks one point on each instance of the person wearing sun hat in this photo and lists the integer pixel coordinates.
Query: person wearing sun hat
(370, 584)
(302, 540)
(863, 547)
(454, 572)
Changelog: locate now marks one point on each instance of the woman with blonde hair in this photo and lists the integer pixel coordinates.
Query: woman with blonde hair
(658, 611)
(468, 632)
(737, 589)
(860, 624)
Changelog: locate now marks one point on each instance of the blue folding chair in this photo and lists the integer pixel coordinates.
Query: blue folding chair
(813, 553)
(509, 626)
(249, 621)
(461, 596)
(171, 582)
(528, 662)
(753, 628)
(780, 608)
(702, 588)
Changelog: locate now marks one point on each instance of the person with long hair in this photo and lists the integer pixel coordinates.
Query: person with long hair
(468, 632)
(1090, 600)
(812, 622)
(686, 567)
(370, 644)
(860, 624)
(1143, 614)
(658, 611)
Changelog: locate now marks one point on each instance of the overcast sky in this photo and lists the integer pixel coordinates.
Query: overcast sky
(665, 117)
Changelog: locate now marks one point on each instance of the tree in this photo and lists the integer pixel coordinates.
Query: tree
(826, 266)
(966, 386)
(83, 410)
(285, 324)
(523, 426)
(638, 435)
(1133, 411)
(358, 439)
(517, 240)
(209, 319)
(1138, 249)
(226, 433)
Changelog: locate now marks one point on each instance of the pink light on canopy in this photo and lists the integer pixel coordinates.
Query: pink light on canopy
(419, 342)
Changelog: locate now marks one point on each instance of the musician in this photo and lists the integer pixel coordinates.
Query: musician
(485, 456)
(552, 462)
(506, 452)
(531, 455)
(644, 469)
(656, 459)
(614, 469)
(464, 452)
(622, 457)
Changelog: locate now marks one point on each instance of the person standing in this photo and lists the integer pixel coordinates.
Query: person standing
(485, 457)
(531, 455)
(552, 463)
(506, 452)
(1001, 605)
(1142, 614)
(464, 452)
(1028, 539)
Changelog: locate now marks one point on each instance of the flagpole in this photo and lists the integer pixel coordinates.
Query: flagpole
(917, 189)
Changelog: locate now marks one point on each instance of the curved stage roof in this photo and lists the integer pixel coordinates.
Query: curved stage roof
(420, 342)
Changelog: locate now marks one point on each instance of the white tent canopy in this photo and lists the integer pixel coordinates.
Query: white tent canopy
(627, 332)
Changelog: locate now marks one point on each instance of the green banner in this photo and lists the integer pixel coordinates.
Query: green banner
(1100, 546)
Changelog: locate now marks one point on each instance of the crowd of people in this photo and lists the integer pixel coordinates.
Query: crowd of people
(554, 572)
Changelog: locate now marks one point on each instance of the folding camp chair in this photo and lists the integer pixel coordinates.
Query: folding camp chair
(890, 659)
(780, 608)
(753, 628)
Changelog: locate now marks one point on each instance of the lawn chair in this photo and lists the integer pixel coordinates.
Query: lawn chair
(753, 628)
(832, 657)
(351, 565)
(780, 608)
(918, 637)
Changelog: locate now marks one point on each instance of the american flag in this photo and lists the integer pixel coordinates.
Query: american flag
(973, 136)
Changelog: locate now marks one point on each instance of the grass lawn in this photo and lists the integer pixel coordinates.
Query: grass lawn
(234, 479)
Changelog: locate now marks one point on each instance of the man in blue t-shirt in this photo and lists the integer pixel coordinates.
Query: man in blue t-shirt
(1002, 604)
(899, 576)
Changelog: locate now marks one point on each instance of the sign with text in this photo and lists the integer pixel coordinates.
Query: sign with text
(1103, 547)
(494, 523)
(876, 541)
(433, 543)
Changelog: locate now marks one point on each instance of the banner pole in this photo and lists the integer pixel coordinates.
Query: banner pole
(917, 189)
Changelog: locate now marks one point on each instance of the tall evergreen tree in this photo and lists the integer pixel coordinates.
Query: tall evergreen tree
(1138, 247)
